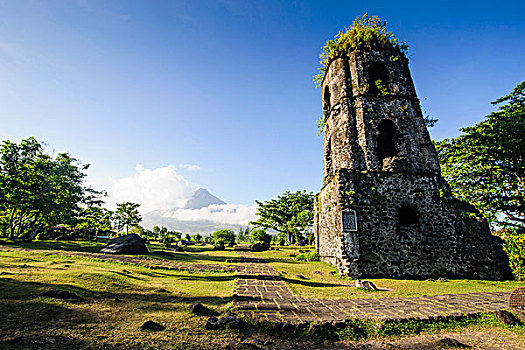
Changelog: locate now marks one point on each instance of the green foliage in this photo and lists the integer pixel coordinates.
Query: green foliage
(381, 87)
(486, 165)
(244, 234)
(364, 33)
(167, 241)
(356, 329)
(126, 215)
(320, 125)
(375, 196)
(290, 214)
(95, 219)
(176, 234)
(37, 190)
(197, 237)
(260, 235)
(514, 246)
(138, 230)
(221, 238)
(307, 256)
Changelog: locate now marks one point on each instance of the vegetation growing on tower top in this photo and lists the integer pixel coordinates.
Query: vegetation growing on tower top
(365, 31)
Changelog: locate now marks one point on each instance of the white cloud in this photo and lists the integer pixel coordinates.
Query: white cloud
(190, 167)
(163, 189)
(234, 214)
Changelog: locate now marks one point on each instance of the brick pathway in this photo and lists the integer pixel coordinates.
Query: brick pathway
(260, 294)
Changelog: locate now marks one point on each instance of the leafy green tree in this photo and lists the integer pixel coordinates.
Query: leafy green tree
(486, 164)
(156, 232)
(244, 234)
(221, 238)
(260, 235)
(95, 219)
(138, 230)
(177, 235)
(197, 237)
(290, 214)
(514, 246)
(241, 236)
(148, 234)
(127, 215)
(37, 190)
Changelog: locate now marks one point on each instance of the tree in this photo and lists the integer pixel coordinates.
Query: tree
(486, 164)
(197, 237)
(127, 215)
(260, 235)
(289, 214)
(163, 231)
(156, 232)
(223, 237)
(177, 234)
(94, 219)
(244, 234)
(37, 190)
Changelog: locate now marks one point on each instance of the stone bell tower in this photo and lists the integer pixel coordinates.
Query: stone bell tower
(384, 209)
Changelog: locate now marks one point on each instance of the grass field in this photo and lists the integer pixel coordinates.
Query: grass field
(119, 297)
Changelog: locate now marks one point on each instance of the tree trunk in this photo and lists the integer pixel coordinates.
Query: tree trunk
(33, 231)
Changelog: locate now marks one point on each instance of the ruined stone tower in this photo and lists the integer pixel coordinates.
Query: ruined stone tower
(384, 210)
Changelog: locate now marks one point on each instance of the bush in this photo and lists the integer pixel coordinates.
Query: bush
(514, 246)
(221, 238)
(260, 236)
(308, 256)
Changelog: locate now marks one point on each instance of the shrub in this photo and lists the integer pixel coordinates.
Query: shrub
(514, 246)
(260, 236)
(308, 256)
(220, 238)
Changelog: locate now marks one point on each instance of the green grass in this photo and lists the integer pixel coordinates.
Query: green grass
(324, 285)
(365, 329)
(197, 254)
(119, 298)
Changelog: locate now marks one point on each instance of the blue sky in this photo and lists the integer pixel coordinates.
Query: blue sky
(222, 90)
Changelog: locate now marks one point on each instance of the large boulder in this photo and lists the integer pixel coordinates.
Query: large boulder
(128, 244)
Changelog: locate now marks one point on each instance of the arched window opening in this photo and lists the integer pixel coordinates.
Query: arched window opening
(386, 146)
(326, 98)
(407, 215)
(378, 79)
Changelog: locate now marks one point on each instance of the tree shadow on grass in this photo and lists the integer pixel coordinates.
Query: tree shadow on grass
(22, 340)
(70, 246)
(22, 291)
(31, 322)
